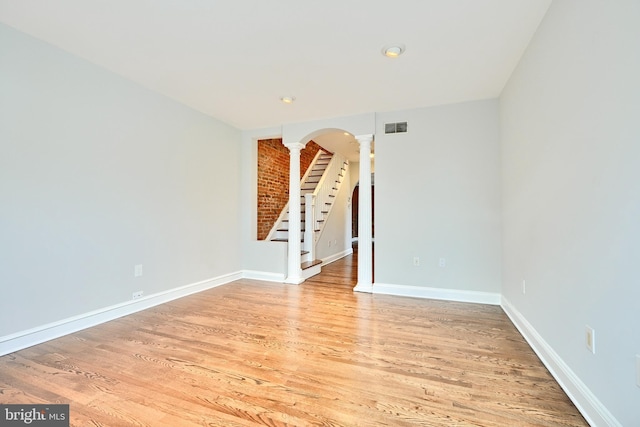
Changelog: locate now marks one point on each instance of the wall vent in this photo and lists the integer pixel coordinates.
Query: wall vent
(400, 127)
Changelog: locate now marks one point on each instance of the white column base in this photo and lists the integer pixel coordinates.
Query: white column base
(364, 287)
(294, 280)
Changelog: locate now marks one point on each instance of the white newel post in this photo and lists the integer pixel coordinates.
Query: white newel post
(294, 271)
(365, 238)
(309, 225)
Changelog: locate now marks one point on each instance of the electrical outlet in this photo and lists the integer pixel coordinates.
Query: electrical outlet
(137, 270)
(416, 261)
(442, 262)
(524, 287)
(590, 339)
(137, 295)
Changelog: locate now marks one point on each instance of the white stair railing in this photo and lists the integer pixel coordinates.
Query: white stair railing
(318, 203)
(324, 195)
(284, 213)
(309, 243)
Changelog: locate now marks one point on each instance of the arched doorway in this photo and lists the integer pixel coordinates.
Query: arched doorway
(361, 146)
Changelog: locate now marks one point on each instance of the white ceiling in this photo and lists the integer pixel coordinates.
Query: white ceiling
(234, 59)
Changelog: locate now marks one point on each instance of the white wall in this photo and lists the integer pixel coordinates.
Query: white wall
(437, 195)
(335, 239)
(571, 183)
(96, 175)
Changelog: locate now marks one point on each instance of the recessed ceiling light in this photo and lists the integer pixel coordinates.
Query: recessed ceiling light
(288, 99)
(393, 51)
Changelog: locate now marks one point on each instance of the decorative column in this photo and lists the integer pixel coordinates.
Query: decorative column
(365, 238)
(294, 271)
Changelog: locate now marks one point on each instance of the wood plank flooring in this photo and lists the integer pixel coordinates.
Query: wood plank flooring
(258, 353)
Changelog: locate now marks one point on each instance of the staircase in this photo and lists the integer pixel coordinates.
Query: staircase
(318, 189)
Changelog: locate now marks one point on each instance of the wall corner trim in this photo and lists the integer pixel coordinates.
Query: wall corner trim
(23, 339)
(459, 295)
(587, 403)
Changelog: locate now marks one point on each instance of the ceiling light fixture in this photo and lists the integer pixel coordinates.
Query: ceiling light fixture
(288, 99)
(393, 51)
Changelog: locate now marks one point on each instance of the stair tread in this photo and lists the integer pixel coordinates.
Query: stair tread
(310, 264)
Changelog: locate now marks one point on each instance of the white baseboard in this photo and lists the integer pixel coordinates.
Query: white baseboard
(40, 334)
(281, 278)
(335, 257)
(263, 275)
(587, 403)
(437, 293)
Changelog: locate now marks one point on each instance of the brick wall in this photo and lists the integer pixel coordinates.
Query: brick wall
(273, 179)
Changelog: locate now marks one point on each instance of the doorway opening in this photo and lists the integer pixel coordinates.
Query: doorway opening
(355, 212)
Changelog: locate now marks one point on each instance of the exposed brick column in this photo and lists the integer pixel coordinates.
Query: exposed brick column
(273, 183)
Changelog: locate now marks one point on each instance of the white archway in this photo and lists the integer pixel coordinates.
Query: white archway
(295, 138)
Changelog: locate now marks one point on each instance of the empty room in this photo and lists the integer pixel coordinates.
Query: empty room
(461, 178)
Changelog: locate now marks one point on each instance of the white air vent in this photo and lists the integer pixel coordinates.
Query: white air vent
(400, 127)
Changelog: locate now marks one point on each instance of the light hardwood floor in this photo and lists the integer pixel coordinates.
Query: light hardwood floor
(258, 353)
